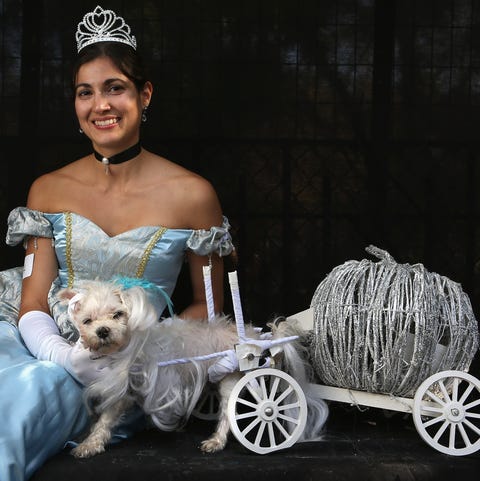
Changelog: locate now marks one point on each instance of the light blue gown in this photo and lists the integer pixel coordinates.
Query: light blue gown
(41, 406)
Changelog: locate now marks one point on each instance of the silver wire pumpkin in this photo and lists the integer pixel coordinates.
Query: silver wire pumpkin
(384, 327)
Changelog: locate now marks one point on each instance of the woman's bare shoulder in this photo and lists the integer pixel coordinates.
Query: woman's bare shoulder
(196, 198)
(48, 188)
(180, 180)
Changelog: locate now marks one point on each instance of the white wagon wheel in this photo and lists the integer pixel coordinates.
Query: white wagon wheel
(208, 405)
(267, 410)
(446, 412)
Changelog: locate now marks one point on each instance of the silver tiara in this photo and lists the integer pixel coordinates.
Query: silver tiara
(103, 26)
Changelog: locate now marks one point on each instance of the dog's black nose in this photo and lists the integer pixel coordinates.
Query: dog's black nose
(103, 332)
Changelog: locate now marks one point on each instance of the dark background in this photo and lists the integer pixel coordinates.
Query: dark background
(324, 125)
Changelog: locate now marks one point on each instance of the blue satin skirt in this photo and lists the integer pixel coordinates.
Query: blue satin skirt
(41, 408)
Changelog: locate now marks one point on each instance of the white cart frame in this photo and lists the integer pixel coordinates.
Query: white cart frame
(267, 408)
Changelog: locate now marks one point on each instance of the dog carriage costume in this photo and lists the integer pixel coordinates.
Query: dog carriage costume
(384, 335)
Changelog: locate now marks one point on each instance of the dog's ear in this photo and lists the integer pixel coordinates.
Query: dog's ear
(66, 294)
(125, 297)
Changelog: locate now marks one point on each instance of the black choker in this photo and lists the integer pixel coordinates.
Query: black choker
(121, 157)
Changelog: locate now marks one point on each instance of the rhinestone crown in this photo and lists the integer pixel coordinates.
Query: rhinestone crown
(103, 26)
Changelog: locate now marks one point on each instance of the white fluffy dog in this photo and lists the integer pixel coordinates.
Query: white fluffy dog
(123, 326)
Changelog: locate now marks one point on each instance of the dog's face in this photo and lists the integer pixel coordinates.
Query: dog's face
(100, 315)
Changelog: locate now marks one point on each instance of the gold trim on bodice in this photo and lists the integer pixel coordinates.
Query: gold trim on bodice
(146, 255)
(68, 250)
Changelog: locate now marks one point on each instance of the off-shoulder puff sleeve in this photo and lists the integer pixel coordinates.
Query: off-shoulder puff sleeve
(215, 240)
(24, 222)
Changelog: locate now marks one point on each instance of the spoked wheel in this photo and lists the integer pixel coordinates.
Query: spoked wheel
(207, 407)
(446, 412)
(267, 410)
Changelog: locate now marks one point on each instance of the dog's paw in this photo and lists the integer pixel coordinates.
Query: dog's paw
(212, 445)
(87, 450)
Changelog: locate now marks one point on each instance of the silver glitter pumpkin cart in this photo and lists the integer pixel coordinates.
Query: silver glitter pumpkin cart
(397, 337)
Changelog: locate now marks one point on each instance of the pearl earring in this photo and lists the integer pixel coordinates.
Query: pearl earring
(80, 130)
(144, 114)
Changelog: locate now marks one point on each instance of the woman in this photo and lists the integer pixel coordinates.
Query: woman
(119, 211)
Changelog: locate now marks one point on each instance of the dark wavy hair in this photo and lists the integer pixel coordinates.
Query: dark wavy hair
(124, 57)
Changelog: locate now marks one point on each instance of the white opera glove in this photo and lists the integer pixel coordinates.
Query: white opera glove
(42, 337)
(84, 366)
(225, 365)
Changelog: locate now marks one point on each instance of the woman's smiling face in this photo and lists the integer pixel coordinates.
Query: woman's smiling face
(109, 106)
